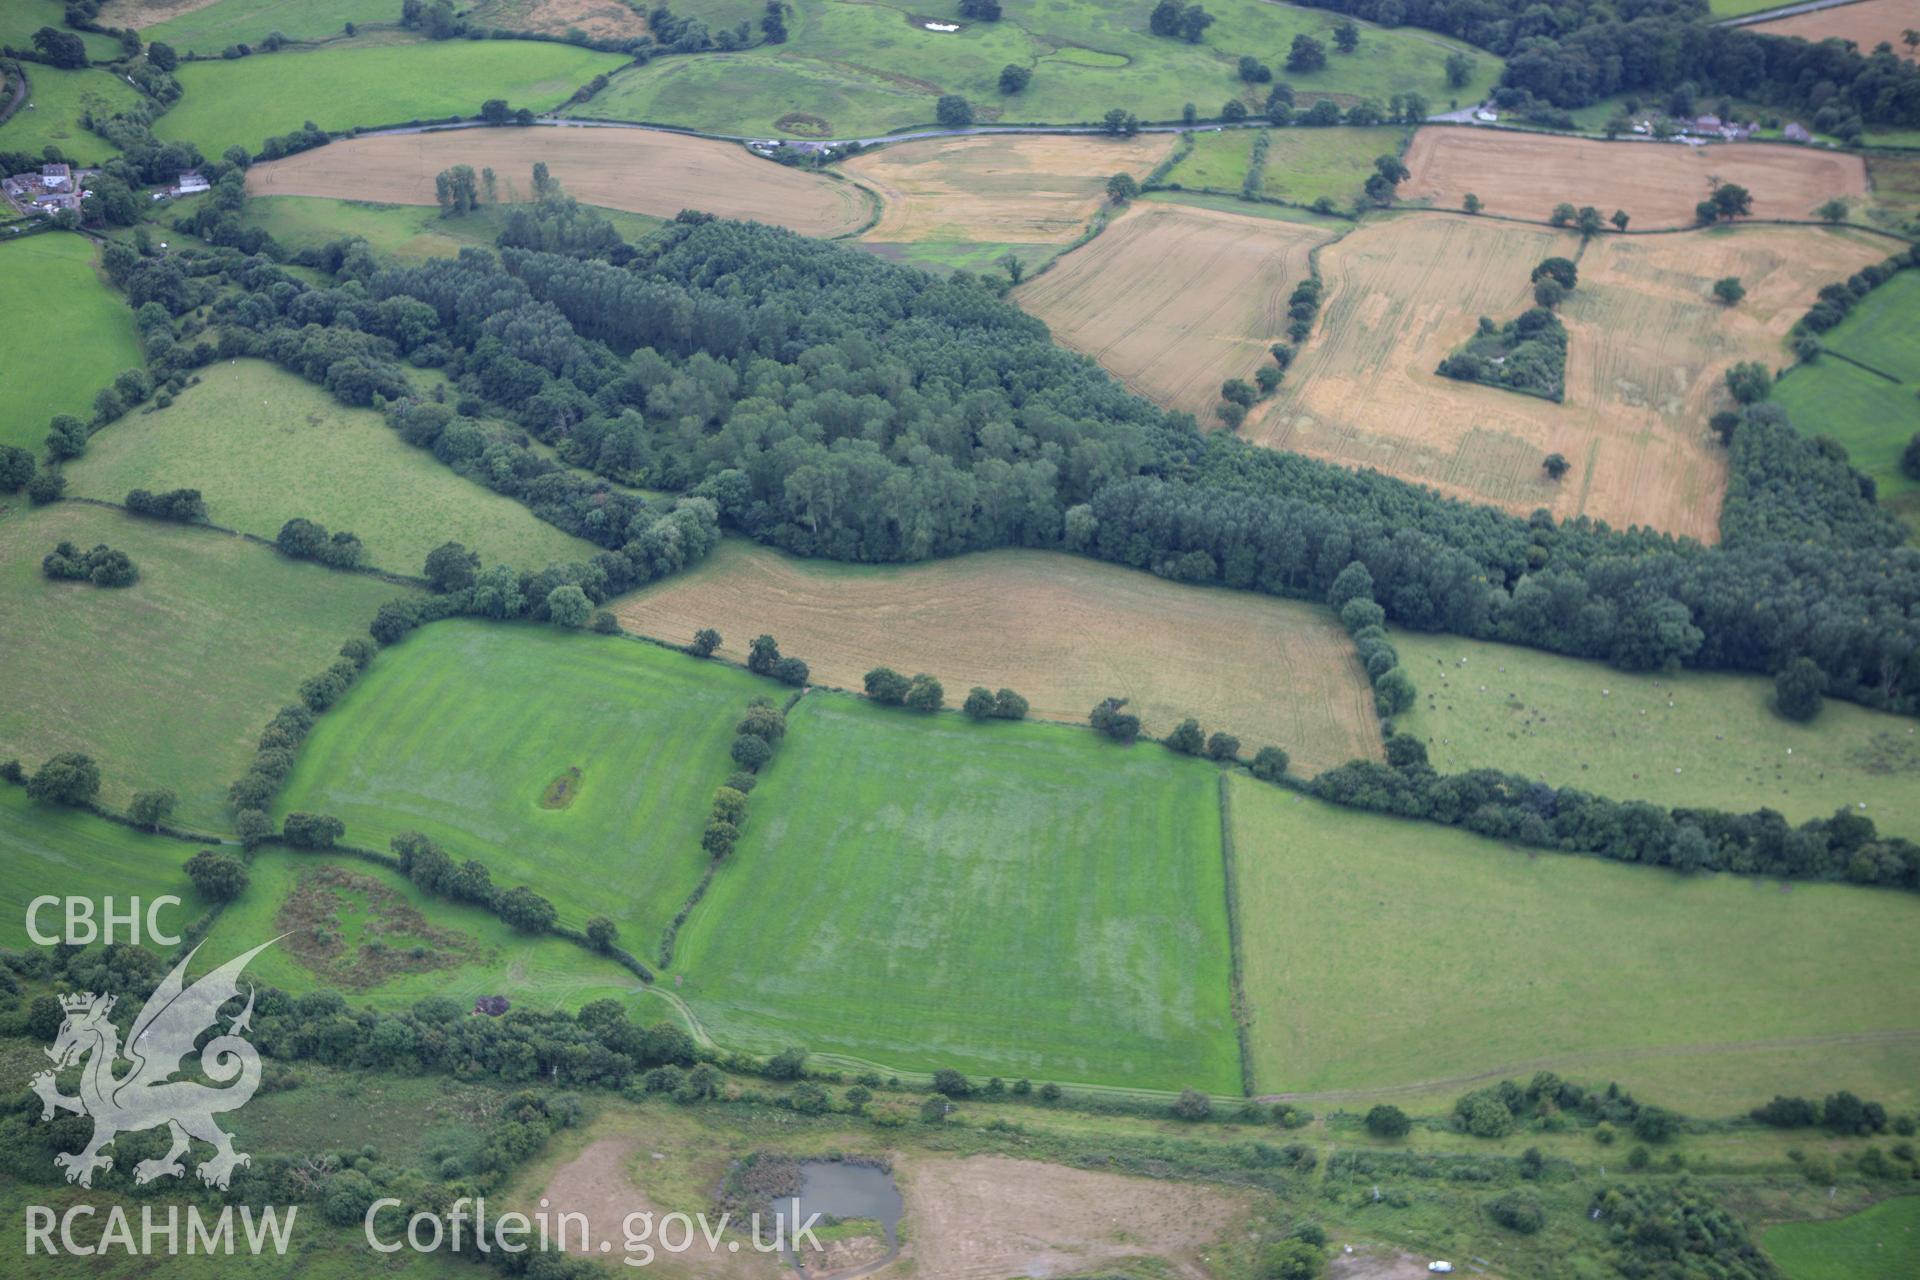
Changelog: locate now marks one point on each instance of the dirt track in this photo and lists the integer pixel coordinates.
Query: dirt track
(1524, 175)
(633, 169)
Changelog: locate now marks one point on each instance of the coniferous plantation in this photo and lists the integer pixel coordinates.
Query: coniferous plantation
(616, 615)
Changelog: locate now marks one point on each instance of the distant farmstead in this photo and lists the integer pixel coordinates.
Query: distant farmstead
(50, 190)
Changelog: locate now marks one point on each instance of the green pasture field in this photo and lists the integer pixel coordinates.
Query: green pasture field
(1610, 732)
(357, 928)
(1880, 331)
(457, 732)
(1250, 208)
(167, 682)
(943, 257)
(67, 335)
(1741, 8)
(1217, 160)
(19, 19)
(264, 445)
(1305, 164)
(924, 891)
(859, 69)
(1871, 417)
(1382, 952)
(51, 849)
(408, 231)
(55, 102)
(225, 22)
(251, 99)
(1881, 1243)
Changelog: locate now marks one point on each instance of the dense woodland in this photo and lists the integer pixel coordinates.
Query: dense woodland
(836, 405)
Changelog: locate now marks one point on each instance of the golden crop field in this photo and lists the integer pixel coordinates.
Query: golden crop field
(1061, 630)
(1524, 175)
(1649, 348)
(633, 169)
(1865, 24)
(1033, 189)
(1174, 300)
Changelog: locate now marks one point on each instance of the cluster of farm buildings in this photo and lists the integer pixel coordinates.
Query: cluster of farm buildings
(54, 188)
(58, 187)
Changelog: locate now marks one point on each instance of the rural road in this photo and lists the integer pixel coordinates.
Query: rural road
(556, 122)
(1785, 11)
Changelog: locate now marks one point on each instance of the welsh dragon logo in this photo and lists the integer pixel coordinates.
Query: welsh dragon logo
(146, 1095)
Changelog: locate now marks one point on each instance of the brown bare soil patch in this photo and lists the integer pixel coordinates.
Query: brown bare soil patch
(1376, 1262)
(596, 18)
(632, 169)
(1524, 175)
(1866, 24)
(597, 1183)
(392, 937)
(1649, 349)
(986, 1217)
(1063, 631)
(1022, 190)
(562, 791)
(147, 13)
(1175, 300)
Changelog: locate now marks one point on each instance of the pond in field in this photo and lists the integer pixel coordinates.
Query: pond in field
(842, 1191)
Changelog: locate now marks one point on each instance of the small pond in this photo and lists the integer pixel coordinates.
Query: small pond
(842, 1189)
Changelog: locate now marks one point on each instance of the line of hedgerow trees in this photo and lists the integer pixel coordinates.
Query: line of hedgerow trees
(835, 405)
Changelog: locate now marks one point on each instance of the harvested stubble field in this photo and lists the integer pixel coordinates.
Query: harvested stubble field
(1061, 630)
(1524, 175)
(633, 169)
(165, 683)
(1174, 300)
(1644, 372)
(1866, 24)
(1433, 959)
(923, 891)
(1034, 189)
